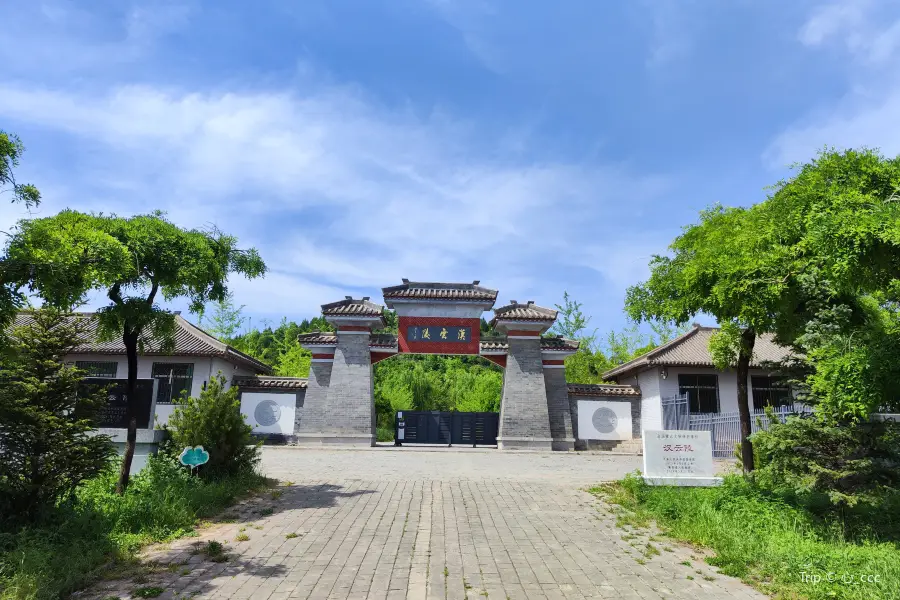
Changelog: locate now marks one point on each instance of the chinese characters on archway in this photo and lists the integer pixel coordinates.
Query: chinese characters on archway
(438, 333)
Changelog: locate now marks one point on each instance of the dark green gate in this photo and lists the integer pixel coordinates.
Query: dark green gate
(437, 427)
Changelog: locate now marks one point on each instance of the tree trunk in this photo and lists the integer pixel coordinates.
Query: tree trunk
(130, 338)
(748, 338)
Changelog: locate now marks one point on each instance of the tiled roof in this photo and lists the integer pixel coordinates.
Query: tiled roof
(260, 382)
(318, 337)
(383, 340)
(603, 389)
(190, 340)
(523, 312)
(348, 307)
(418, 290)
(692, 349)
(557, 343)
(328, 338)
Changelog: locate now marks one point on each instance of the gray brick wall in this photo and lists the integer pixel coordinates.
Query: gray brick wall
(524, 418)
(558, 409)
(351, 404)
(311, 418)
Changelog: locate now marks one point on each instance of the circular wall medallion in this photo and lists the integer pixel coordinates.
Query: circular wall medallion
(267, 413)
(604, 420)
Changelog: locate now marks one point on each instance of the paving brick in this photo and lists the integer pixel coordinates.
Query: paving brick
(415, 524)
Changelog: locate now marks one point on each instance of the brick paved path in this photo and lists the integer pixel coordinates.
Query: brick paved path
(412, 524)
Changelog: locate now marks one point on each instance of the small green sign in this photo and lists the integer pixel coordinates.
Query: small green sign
(194, 457)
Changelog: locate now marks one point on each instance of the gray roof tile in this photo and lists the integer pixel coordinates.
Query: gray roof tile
(418, 290)
(349, 307)
(692, 349)
(260, 382)
(529, 311)
(603, 389)
(190, 340)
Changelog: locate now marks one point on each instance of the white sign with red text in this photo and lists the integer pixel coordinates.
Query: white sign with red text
(679, 458)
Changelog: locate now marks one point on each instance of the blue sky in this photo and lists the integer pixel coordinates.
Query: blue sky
(538, 147)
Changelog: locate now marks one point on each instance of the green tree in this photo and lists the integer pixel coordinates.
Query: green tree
(226, 319)
(836, 229)
(135, 259)
(46, 444)
(214, 421)
(722, 266)
(11, 150)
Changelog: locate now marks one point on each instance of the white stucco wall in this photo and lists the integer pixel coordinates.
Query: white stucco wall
(204, 368)
(727, 384)
(651, 400)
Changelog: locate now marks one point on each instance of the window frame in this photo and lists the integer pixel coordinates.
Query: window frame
(164, 391)
(767, 391)
(85, 365)
(696, 387)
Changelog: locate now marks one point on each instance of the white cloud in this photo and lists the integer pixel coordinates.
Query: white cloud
(868, 31)
(860, 121)
(869, 113)
(330, 186)
(831, 19)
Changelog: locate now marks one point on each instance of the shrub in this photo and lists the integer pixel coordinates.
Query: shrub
(841, 464)
(62, 552)
(46, 444)
(214, 421)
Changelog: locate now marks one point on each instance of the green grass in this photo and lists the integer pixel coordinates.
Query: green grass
(384, 434)
(100, 530)
(779, 548)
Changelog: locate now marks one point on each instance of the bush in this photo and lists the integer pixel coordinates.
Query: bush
(46, 444)
(214, 421)
(63, 552)
(828, 466)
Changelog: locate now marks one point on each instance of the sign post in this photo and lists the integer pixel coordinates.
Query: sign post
(682, 458)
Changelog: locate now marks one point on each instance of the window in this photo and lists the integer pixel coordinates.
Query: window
(702, 392)
(770, 391)
(97, 368)
(175, 381)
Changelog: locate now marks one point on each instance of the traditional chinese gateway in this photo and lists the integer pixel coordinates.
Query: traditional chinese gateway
(442, 318)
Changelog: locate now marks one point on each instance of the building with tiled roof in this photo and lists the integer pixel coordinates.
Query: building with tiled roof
(684, 367)
(692, 350)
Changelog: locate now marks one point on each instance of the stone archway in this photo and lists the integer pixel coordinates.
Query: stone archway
(437, 318)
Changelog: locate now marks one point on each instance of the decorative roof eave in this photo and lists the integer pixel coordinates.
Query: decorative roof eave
(529, 313)
(317, 338)
(383, 342)
(558, 345)
(269, 383)
(350, 307)
(455, 293)
(603, 390)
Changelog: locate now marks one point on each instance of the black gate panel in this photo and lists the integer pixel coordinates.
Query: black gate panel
(437, 427)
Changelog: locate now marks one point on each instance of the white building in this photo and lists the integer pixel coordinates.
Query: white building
(684, 367)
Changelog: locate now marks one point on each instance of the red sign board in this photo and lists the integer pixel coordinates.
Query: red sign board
(439, 335)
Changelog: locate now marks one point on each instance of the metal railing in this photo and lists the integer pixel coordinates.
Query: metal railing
(724, 428)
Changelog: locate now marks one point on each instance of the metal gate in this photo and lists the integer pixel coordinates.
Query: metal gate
(437, 427)
(676, 412)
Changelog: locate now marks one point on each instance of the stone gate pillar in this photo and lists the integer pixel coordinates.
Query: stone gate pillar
(309, 422)
(342, 407)
(524, 411)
